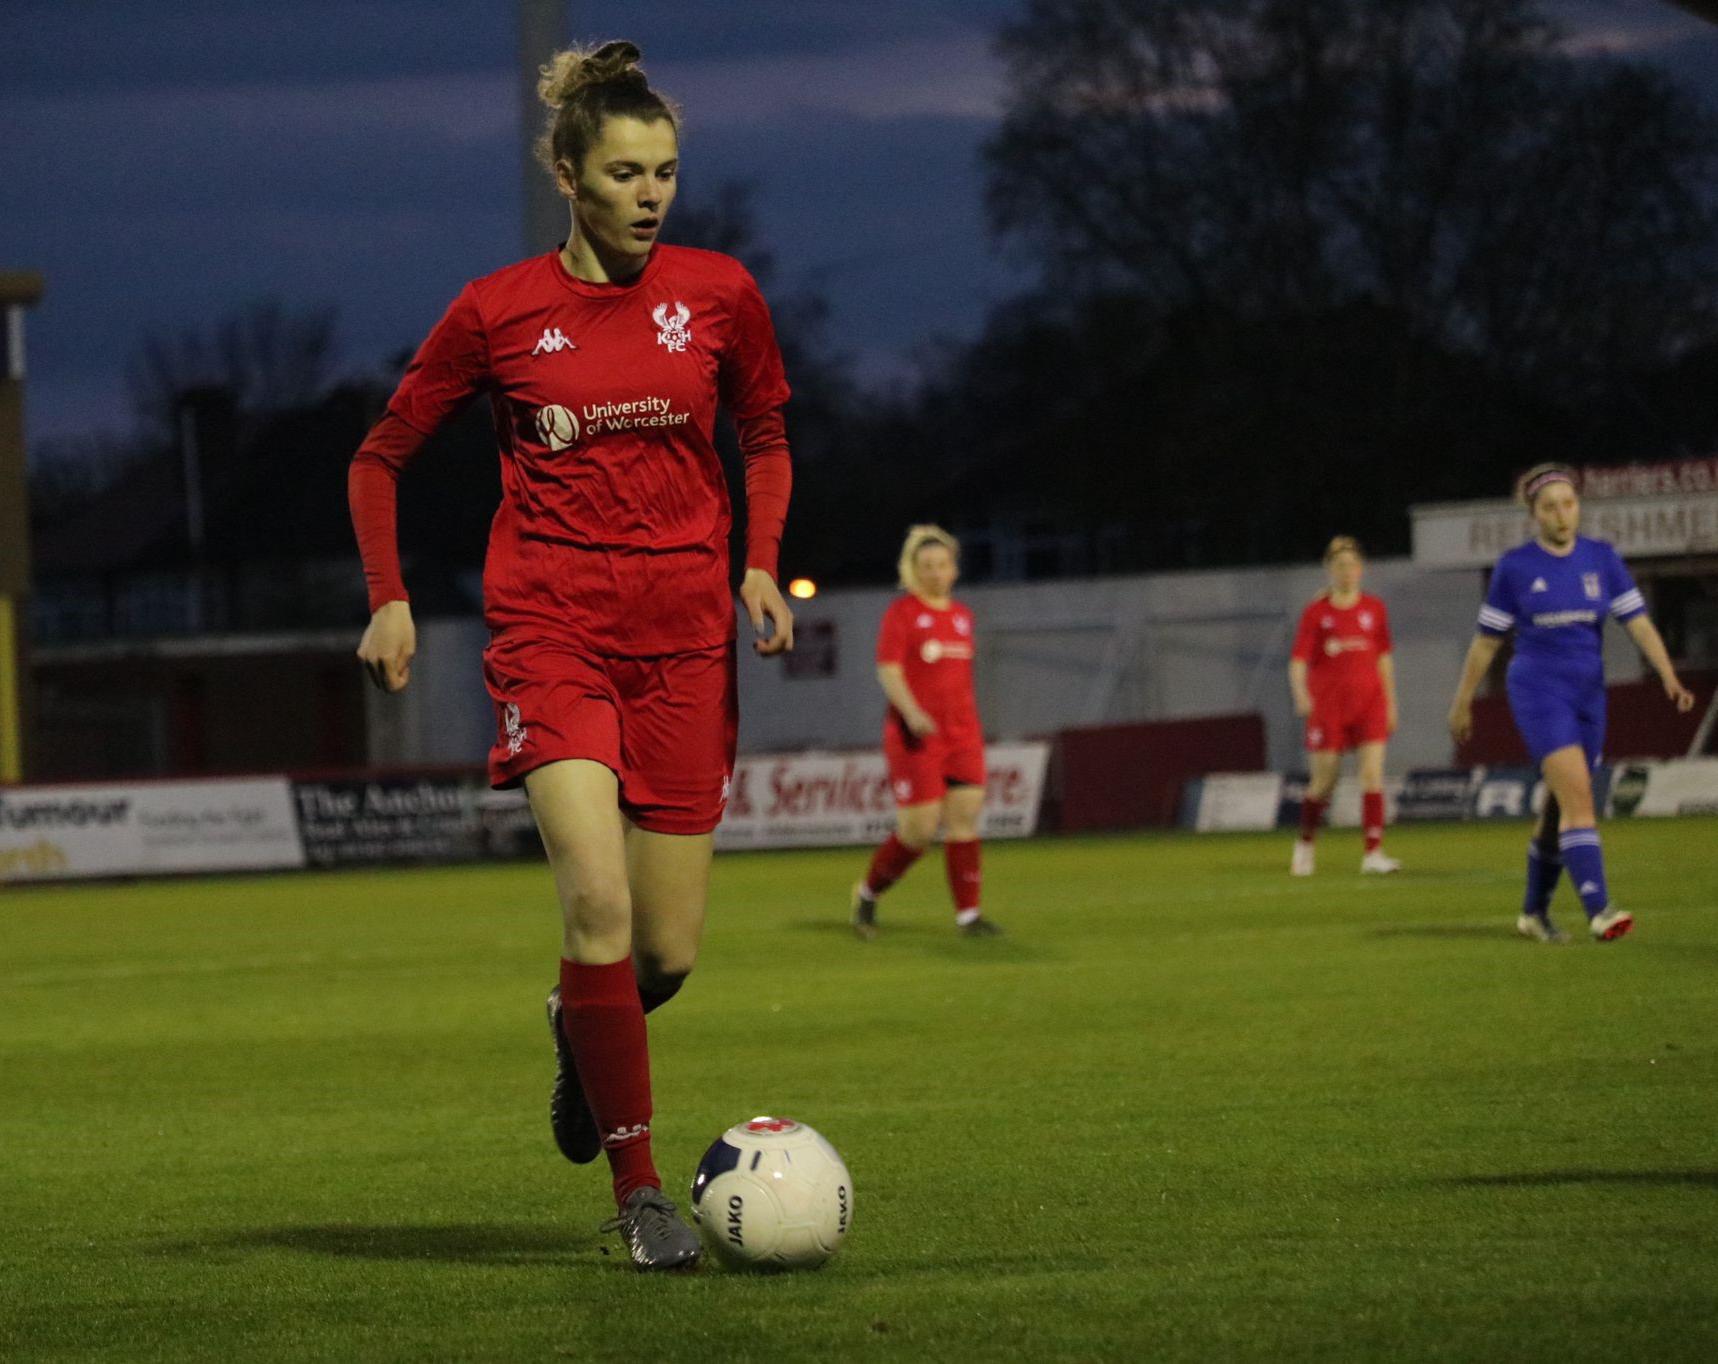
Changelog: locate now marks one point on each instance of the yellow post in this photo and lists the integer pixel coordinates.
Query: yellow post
(11, 716)
(19, 290)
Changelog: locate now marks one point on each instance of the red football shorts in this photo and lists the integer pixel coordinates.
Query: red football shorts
(1339, 723)
(922, 770)
(666, 726)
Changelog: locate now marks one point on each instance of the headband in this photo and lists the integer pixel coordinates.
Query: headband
(1545, 480)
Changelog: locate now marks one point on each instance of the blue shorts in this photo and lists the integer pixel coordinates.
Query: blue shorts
(1552, 716)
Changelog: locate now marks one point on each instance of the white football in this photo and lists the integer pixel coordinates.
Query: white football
(772, 1194)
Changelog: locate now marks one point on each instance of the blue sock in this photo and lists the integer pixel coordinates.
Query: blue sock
(1586, 866)
(1543, 871)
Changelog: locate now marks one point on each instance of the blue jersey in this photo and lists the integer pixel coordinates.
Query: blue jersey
(1556, 604)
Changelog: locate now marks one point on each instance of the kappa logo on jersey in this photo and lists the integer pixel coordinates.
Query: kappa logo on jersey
(1590, 585)
(516, 731)
(553, 339)
(557, 427)
(675, 334)
(1328, 623)
(1539, 586)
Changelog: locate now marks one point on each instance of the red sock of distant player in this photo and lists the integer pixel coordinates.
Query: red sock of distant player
(965, 878)
(1372, 819)
(888, 865)
(1311, 812)
(605, 1025)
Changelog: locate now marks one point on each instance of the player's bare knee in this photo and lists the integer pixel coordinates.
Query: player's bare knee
(598, 905)
(918, 826)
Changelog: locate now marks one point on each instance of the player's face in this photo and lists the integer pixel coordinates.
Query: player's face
(1345, 570)
(936, 570)
(625, 187)
(1557, 510)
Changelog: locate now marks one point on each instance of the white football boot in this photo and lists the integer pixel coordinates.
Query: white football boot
(1379, 863)
(1539, 928)
(1305, 859)
(1610, 924)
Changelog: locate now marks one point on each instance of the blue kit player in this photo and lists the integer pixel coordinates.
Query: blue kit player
(1554, 593)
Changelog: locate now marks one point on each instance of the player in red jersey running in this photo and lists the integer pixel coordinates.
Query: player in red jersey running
(931, 735)
(606, 590)
(1344, 683)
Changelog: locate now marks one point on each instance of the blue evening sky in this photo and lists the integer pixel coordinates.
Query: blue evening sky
(167, 160)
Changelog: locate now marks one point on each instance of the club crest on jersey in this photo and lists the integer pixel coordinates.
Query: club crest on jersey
(516, 731)
(557, 426)
(1590, 585)
(1365, 620)
(552, 340)
(675, 334)
(962, 626)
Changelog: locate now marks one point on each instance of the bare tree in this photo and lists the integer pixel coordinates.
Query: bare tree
(268, 356)
(1444, 159)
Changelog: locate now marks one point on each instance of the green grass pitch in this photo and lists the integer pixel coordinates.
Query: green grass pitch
(1188, 1109)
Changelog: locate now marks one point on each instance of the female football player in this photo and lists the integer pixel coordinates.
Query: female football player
(932, 738)
(1554, 593)
(1344, 683)
(606, 591)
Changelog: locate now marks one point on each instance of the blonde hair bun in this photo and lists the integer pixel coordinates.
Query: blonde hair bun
(570, 71)
(919, 537)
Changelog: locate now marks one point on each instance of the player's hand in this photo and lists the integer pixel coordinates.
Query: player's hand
(388, 645)
(1303, 706)
(1679, 695)
(1391, 719)
(763, 601)
(920, 723)
(1461, 721)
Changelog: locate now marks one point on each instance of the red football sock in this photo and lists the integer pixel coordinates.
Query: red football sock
(1311, 812)
(605, 1025)
(1372, 819)
(965, 879)
(889, 864)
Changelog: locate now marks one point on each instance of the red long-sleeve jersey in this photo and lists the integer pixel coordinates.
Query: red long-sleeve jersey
(613, 525)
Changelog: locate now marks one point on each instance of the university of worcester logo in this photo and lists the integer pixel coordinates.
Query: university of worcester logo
(557, 426)
(674, 333)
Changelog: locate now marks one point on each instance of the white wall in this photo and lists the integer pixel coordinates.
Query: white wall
(1051, 655)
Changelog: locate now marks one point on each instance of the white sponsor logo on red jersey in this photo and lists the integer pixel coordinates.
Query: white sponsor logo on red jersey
(935, 650)
(557, 427)
(553, 339)
(675, 334)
